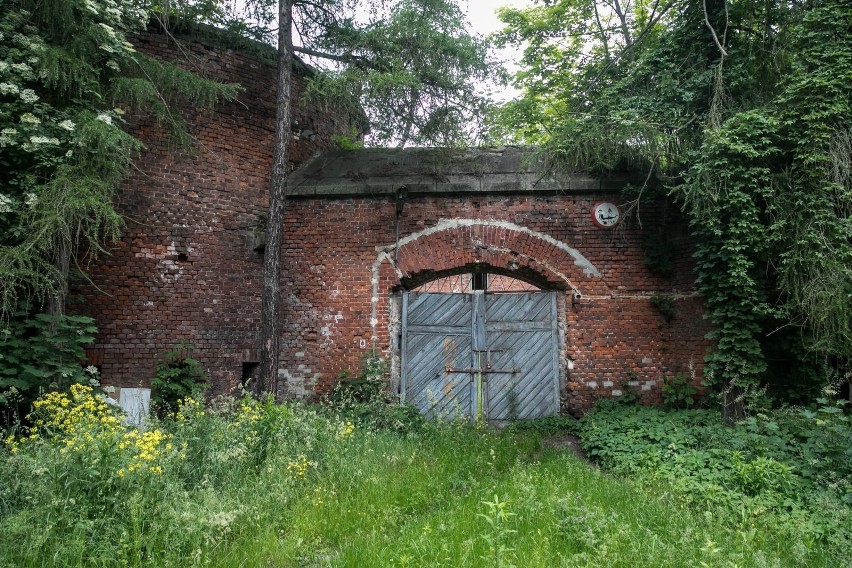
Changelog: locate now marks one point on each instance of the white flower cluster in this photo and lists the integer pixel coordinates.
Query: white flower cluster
(9, 89)
(29, 96)
(5, 204)
(23, 41)
(118, 18)
(44, 140)
(7, 137)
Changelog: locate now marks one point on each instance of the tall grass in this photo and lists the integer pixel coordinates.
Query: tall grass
(252, 484)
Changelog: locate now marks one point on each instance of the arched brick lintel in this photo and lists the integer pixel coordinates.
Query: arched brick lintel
(455, 245)
(459, 245)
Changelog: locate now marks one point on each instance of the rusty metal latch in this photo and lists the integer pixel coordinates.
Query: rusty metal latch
(473, 371)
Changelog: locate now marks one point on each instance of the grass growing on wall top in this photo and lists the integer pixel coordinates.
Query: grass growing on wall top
(252, 484)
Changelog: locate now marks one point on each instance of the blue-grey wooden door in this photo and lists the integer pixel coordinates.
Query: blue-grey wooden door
(488, 355)
(437, 337)
(522, 356)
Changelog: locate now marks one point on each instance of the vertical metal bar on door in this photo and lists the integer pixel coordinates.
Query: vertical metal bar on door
(403, 350)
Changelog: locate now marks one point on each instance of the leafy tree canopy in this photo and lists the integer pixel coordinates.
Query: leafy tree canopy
(742, 109)
(412, 66)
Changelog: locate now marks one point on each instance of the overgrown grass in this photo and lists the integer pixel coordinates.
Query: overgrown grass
(787, 473)
(249, 484)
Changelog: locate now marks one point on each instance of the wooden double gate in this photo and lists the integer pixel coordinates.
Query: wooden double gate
(493, 356)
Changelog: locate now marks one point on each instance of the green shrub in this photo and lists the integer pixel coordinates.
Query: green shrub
(678, 391)
(176, 378)
(366, 400)
(790, 471)
(40, 353)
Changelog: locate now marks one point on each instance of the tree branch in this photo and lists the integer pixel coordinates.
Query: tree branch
(360, 62)
(712, 31)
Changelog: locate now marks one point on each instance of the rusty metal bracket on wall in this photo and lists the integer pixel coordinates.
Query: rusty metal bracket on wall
(401, 195)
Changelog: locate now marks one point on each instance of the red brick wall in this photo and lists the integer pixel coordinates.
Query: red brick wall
(185, 271)
(613, 335)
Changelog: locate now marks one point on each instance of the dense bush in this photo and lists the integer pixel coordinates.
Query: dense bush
(40, 353)
(365, 399)
(176, 378)
(789, 471)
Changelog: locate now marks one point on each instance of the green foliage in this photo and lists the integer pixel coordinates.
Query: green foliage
(67, 75)
(412, 68)
(499, 536)
(366, 399)
(678, 391)
(347, 142)
(40, 353)
(792, 469)
(748, 130)
(250, 483)
(547, 425)
(176, 378)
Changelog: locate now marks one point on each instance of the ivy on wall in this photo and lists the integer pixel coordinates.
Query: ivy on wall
(742, 110)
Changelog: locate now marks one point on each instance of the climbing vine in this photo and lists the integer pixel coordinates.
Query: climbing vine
(742, 110)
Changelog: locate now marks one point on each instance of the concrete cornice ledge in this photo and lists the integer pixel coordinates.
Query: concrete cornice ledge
(383, 171)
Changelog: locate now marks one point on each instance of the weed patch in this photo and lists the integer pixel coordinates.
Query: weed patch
(244, 483)
(788, 473)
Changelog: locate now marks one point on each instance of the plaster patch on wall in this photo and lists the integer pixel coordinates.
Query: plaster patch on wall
(158, 252)
(169, 271)
(327, 331)
(299, 386)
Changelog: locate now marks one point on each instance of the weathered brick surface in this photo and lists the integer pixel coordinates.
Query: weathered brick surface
(185, 271)
(614, 336)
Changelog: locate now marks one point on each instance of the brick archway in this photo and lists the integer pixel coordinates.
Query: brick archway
(454, 246)
(458, 245)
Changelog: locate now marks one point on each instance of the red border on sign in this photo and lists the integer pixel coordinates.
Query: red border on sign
(595, 219)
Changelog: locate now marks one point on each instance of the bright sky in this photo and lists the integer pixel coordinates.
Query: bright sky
(482, 15)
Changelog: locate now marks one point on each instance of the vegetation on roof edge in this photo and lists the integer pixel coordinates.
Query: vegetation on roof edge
(259, 51)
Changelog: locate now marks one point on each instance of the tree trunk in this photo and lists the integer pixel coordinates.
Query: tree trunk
(59, 294)
(267, 380)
